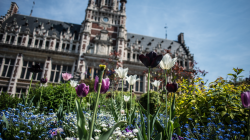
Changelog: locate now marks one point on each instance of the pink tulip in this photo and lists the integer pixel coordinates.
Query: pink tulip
(245, 99)
(66, 76)
(104, 87)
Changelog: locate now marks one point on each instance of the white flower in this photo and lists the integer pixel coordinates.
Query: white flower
(135, 131)
(122, 111)
(135, 139)
(126, 98)
(156, 83)
(104, 125)
(96, 138)
(73, 83)
(167, 62)
(132, 79)
(88, 104)
(104, 129)
(122, 73)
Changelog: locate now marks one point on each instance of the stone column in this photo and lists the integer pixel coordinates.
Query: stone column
(33, 42)
(15, 74)
(44, 42)
(92, 72)
(144, 83)
(25, 40)
(47, 69)
(4, 37)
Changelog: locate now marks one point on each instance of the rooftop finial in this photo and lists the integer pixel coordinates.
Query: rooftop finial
(166, 34)
(32, 8)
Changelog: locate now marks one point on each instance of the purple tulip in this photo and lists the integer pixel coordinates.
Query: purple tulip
(151, 59)
(82, 90)
(43, 80)
(66, 76)
(172, 87)
(245, 99)
(105, 85)
(35, 68)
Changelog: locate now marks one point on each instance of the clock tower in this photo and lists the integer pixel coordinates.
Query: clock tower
(104, 28)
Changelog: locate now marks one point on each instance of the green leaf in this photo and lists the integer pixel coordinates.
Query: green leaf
(82, 132)
(31, 100)
(5, 121)
(153, 120)
(132, 117)
(139, 134)
(235, 70)
(107, 134)
(159, 137)
(143, 126)
(113, 111)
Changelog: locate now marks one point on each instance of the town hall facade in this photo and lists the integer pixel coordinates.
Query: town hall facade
(78, 49)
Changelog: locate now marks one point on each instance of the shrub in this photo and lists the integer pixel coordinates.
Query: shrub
(52, 96)
(154, 102)
(199, 104)
(7, 101)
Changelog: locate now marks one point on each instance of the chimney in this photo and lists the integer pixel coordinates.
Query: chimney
(181, 38)
(13, 8)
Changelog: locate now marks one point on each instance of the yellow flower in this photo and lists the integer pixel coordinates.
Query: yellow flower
(102, 67)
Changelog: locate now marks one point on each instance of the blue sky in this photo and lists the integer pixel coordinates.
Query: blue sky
(216, 31)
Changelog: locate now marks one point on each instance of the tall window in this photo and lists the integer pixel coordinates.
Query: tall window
(8, 38)
(67, 48)
(1, 61)
(63, 46)
(36, 42)
(128, 56)
(47, 44)
(25, 72)
(41, 43)
(19, 41)
(1, 37)
(8, 67)
(56, 72)
(12, 39)
(30, 40)
(139, 84)
(20, 91)
(57, 45)
(73, 48)
(3, 89)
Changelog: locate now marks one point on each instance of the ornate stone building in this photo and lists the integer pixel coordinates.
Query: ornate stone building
(75, 48)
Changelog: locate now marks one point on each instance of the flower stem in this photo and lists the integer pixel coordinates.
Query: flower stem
(41, 97)
(248, 125)
(148, 104)
(122, 95)
(63, 93)
(70, 100)
(96, 105)
(166, 82)
(130, 99)
(29, 89)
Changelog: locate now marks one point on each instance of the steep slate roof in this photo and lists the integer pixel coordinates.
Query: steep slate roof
(152, 42)
(58, 26)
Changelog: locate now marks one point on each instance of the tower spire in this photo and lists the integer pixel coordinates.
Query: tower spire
(32, 8)
(166, 34)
